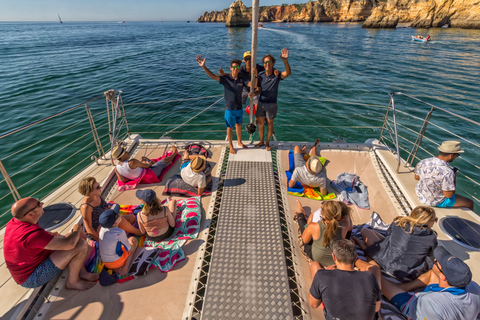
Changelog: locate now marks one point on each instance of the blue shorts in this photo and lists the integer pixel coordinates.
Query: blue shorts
(44, 273)
(448, 202)
(233, 117)
(401, 300)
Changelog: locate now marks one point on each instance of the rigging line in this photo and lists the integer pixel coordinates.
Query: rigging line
(193, 117)
(175, 124)
(177, 100)
(337, 101)
(307, 117)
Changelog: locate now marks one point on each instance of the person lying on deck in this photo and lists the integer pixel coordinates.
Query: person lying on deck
(345, 292)
(449, 291)
(116, 250)
(35, 256)
(318, 237)
(308, 172)
(192, 173)
(407, 250)
(155, 220)
(130, 169)
(93, 205)
(437, 180)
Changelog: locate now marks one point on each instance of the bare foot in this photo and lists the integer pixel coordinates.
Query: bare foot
(242, 145)
(300, 207)
(81, 285)
(304, 149)
(268, 148)
(89, 276)
(232, 150)
(316, 143)
(260, 144)
(174, 150)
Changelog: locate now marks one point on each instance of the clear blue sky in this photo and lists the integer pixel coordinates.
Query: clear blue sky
(114, 10)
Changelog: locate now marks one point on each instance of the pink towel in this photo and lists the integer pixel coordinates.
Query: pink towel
(147, 176)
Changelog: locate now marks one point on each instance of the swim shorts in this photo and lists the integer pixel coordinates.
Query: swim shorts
(401, 300)
(448, 202)
(45, 272)
(233, 117)
(267, 109)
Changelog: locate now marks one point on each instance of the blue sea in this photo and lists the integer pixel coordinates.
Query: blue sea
(341, 77)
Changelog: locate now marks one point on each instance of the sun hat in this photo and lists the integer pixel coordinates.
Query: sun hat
(198, 163)
(147, 195)
(456, 271)
(314, 165)
(108, 217)
(118, 152)
(247, 54)
(450, 147)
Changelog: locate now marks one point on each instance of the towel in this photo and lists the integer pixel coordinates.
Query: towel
(176, 186)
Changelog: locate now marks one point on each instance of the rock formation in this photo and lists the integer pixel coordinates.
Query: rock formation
(375, 13)
(237, 15)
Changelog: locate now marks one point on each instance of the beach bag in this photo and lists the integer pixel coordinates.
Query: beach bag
(143, 262)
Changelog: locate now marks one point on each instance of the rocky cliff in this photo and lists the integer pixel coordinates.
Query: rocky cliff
(377, 13)
(237, 15)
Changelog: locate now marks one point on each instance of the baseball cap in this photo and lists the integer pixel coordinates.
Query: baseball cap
(108, 217)
(456, 271)
(147, 195)
(247, 54)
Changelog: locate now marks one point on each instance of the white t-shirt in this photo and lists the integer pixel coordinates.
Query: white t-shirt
(195, 179)
(110, 241)
(127, 172)
(302, 175)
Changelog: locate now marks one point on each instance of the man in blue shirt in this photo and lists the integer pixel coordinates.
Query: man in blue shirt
(233, 85)
(449, 291)
(268, 82)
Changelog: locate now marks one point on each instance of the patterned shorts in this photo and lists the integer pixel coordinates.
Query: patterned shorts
(44, 273)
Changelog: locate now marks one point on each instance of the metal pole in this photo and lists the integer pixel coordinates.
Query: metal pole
(255, 7)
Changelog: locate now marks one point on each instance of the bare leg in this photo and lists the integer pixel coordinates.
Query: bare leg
(425, 279)
(269, 133)
(314, 267)
(230, 140)
(127, 226)
(463, 202)
(238, 129)
(370, 236)
(261, 130)
(170, 158)
(133, 246)
(390, 289)
(313, 150)
(74, 259)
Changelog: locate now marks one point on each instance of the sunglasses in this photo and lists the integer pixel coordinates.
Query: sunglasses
(246, 59)
(39, 204)
(267, 62)
(438, 266)
(235, 67)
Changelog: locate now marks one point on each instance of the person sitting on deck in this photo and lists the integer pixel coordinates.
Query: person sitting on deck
(192, 173)
(345, 292)
(130, 169)
(318, 237)
(233, 87)
(116, 250)
(437, 180)
(93, 205)
(449, 291)
(157, 221)
(308, 172)
(407, 250)
(35, 256)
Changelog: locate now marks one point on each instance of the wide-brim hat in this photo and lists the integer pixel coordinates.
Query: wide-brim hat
(314, 165)
(118, 152)
(456, 271)
(198, 163)
(450, 147)
(147, 195)
(108, 217)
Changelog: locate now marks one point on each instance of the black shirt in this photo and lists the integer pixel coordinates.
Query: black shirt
(246, 76)
(346, 294)
(233, 91)
(269, 85)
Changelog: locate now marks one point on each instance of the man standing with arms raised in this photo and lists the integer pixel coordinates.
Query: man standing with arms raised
(268, 83)
(233, 85)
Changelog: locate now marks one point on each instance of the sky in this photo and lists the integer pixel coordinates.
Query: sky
(114, 10)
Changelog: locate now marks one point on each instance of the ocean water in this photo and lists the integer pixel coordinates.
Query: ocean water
(341, 77)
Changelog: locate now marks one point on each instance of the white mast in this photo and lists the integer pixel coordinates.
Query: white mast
(255, 7)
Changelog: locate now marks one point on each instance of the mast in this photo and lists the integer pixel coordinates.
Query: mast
(59, 18)
(255, 7)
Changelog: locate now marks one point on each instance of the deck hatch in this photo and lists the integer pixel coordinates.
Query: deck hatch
(462, 231)
(248, 277)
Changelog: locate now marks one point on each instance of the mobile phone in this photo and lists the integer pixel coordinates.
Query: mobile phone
(455, 169)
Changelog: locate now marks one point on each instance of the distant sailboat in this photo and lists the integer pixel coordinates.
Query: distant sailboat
(59, 18)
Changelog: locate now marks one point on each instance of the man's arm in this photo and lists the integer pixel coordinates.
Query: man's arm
(314, 303)
(284, 57)
(201, 63)
(65, 243)
(120, 177)
(135, 163)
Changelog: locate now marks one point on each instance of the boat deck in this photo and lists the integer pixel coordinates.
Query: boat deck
(172, 295)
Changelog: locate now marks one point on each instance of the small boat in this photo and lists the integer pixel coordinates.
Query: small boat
(59, 19)
(260, 25)
(121, 21)
(421, 38)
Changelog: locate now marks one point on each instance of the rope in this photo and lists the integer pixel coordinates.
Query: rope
(192, 117)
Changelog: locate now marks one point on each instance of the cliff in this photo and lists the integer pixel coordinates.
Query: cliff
(237, 15)
(375, 13)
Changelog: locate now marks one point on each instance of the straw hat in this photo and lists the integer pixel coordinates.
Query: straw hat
(314, 165)
(198, 163)
(118, 152)
(450, 147)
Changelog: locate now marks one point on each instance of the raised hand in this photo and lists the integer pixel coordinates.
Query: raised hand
(200, 60)
(284, 55)
(220, 71)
